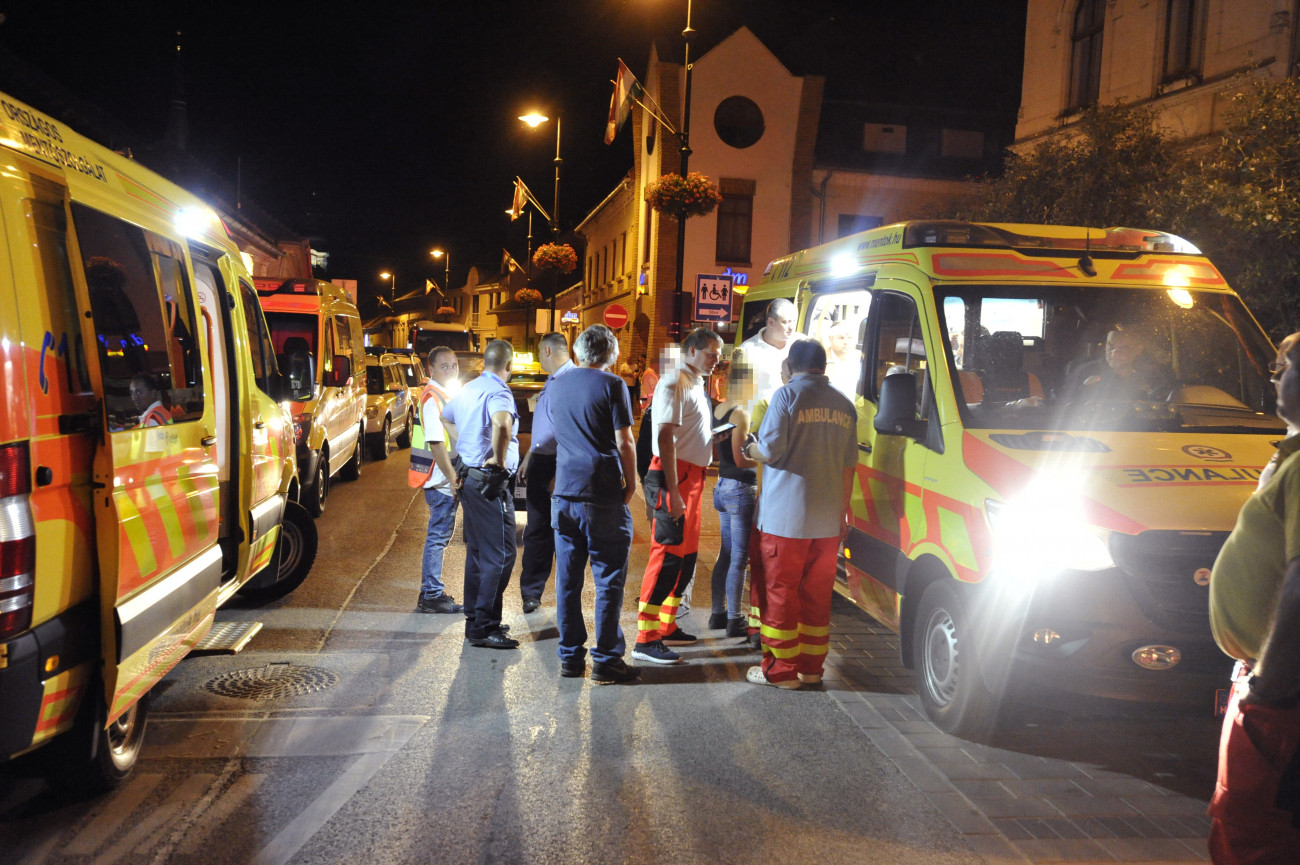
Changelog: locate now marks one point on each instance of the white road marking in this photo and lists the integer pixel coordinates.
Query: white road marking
(117, 811)
(157, 820)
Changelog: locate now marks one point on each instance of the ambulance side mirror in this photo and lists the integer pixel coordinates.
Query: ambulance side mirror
(342, 372)
(297, 380)
(897, 412)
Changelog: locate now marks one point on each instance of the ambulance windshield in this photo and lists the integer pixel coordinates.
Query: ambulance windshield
(1058, 358)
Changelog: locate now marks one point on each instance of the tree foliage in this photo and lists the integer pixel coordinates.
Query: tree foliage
(1236, 195)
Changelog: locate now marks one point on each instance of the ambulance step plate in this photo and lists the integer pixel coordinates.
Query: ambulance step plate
(227, 638)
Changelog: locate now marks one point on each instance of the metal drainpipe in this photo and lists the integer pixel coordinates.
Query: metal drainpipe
(821, 200)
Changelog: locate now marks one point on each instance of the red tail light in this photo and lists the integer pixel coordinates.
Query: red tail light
(17, 541)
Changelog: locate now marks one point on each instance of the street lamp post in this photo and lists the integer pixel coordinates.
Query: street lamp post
(392, 285)
(678, 297)
(446, 273)
(534, 119)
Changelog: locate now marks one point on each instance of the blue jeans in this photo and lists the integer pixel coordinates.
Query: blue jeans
(603, 532)
(442, 521)
(734, 502)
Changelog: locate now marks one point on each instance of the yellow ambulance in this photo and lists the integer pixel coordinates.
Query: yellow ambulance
(1056, 427)
(316, 322)
(146, 451)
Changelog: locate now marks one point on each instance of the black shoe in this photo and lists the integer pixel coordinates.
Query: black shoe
(443, 603)
(656, 653)
(737, 627)
(613, 672)
(531, 604)
(573, 668)
(494, 640)
(680, 638)
(755, 640)
(717, 621)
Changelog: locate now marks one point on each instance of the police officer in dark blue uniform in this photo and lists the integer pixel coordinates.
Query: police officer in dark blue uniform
(484, 422)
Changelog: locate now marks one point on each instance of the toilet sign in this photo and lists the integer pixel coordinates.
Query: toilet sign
(712, 297)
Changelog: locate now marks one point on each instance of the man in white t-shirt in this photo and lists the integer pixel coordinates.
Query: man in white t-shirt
(440, 488)
(683, 448)
(765, 350)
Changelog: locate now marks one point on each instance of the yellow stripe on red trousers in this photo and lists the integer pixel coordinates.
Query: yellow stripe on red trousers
(791, 582)
(671, 568)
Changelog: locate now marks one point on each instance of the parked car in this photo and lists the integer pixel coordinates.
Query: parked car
(525, 393)
(390, 406)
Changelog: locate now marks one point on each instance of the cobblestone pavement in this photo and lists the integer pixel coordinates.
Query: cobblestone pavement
(1063, 785)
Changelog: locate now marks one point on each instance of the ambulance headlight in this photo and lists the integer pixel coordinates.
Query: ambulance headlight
(1036, 537)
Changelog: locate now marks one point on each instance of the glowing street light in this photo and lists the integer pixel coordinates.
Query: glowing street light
(446, 274)
(392, 283)
(534, 120)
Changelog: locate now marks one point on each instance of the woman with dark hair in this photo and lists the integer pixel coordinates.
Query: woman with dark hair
(734, 498)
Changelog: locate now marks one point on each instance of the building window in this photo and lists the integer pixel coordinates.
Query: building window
(884, 138)
(1085, 58)
(852, 223)
(735, 226)
(962, 144)
(738, 122)
(622, 258)
(1184, 38)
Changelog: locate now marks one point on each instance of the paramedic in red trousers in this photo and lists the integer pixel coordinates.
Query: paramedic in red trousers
(683, 448)
(537, 471)
(808, 443)
(440, 483)
(483, 423)
(1255, 615)
(595, 479)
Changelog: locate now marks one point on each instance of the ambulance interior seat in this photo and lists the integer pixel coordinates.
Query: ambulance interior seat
(1002, 376)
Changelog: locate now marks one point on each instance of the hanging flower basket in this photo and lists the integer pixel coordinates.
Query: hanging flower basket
(530, 296)
(692, 195)
(445, 310)
(559, 256)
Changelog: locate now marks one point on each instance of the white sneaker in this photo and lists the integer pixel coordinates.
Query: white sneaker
(755, 676)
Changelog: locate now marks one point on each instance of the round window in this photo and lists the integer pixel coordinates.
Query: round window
(738, 121)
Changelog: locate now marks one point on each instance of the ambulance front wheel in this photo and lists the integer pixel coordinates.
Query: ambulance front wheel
(295, 552)
(314, 493)
(94, 757)
(946, 661)
(352, 471)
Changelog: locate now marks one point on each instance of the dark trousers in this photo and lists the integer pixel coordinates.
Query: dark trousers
(539, 537)
(489, 558)
(603, 534)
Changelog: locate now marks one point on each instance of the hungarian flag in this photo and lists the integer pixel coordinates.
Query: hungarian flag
(428, 286)
(626, 89)
(517, 206)
(508, 263)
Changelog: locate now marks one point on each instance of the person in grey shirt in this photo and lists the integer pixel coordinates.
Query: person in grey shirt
(809, 445)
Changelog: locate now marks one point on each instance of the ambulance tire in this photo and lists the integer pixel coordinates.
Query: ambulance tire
(295, 552)
(352, 470)
(379, 450)
(92, 758)
(314, 494)
(946, 662)
(404, 437)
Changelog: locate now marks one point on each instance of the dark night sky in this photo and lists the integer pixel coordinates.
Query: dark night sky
(386, 129)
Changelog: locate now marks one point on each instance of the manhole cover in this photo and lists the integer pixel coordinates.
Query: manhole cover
(272, 682)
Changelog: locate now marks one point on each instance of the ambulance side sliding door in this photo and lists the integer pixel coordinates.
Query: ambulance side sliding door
(156, 496)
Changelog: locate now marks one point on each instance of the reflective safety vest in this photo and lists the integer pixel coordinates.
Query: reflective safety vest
(155, 416)
(422, 462)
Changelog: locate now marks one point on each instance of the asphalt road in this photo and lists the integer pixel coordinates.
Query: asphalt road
(394, 741)
(378, 735)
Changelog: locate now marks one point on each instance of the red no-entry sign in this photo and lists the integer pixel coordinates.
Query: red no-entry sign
(615, 315)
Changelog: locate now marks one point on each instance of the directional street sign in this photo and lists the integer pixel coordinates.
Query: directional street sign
(712, 297)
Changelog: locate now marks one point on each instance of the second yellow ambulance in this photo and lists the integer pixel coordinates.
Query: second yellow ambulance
(1057, 427)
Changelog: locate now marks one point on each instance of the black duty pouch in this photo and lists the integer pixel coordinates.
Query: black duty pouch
(669, 531)
(492, 482)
